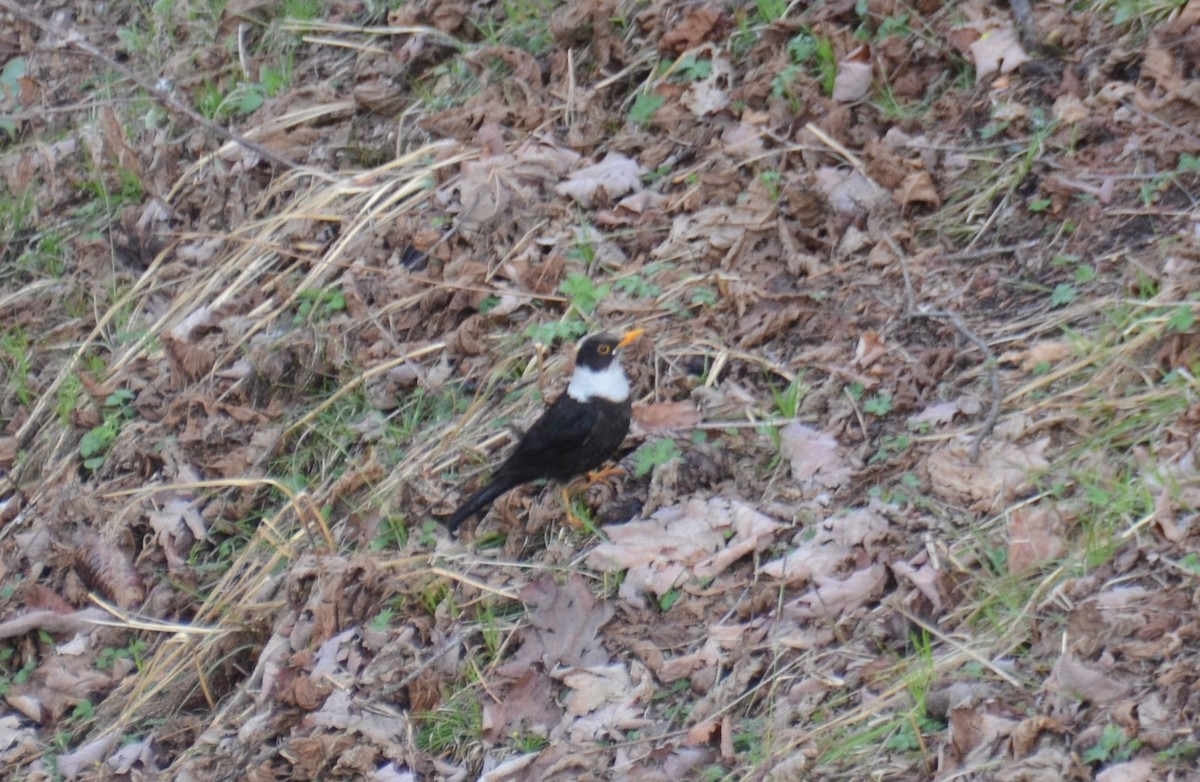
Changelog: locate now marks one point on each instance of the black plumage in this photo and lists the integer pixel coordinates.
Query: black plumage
(577, 433)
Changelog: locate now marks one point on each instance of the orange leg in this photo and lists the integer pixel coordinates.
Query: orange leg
(605, 472)
(572, 519)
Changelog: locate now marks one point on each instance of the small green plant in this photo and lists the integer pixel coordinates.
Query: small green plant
(889, 446)
(135, 651)
(118, 408)
(382, 620)
(528, 743)
(393, 533)
(878, 405)
(10, 88)
(644, 107)
(669, 599)
(771, 180)
(318, 305)
(770, 10)
(301, 10)
(457, 722)
(1113, 745)
(690, 69)
(16, 358)
(83, 711)
(651, 455)
(1064, 293)
(585, 295)
(787, 401)
(1182, 319)
(17, 678)
(704, 297)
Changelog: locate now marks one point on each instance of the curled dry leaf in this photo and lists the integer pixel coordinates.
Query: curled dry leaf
(1044, 353)
(106, 569)
(943, 412)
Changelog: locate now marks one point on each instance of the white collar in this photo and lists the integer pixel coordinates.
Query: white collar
(609, 383)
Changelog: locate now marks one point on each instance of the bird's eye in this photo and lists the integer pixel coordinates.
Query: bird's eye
(604, 350)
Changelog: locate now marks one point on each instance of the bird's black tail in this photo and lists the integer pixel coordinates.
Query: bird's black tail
(480, 501)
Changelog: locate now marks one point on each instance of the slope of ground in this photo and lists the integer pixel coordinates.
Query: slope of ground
(911, 486)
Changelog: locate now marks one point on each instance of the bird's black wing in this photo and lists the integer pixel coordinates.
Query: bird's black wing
(563, 429)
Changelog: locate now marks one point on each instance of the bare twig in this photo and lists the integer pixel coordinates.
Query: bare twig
(913, 311)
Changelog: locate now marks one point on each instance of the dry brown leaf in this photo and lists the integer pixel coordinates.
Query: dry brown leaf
(853, 81)
(1003, 471)
(710, 94)
(818, 463)
(998, 51)
(944, 412)
(833, 597)
(1034, 537)
(1044, 353)
(694, 539)
(562, 629)
(700, 24)
(660, 416)
(1140, 770)
(925, 578)
(529, 704)
(825, 552)
(614, 176)
(918, 188)
(1080, 680)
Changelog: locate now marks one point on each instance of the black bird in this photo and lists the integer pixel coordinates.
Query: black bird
(576, 434)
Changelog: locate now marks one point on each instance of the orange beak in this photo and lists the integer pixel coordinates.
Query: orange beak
(630, 337)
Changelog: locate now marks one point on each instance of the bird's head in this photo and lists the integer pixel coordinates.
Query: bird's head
(598, 371)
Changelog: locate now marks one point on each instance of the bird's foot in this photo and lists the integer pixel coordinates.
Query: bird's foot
(595, 476)
(572, 519)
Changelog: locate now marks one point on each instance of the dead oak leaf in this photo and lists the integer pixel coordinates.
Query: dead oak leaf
(918, 188)
(530, 704)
